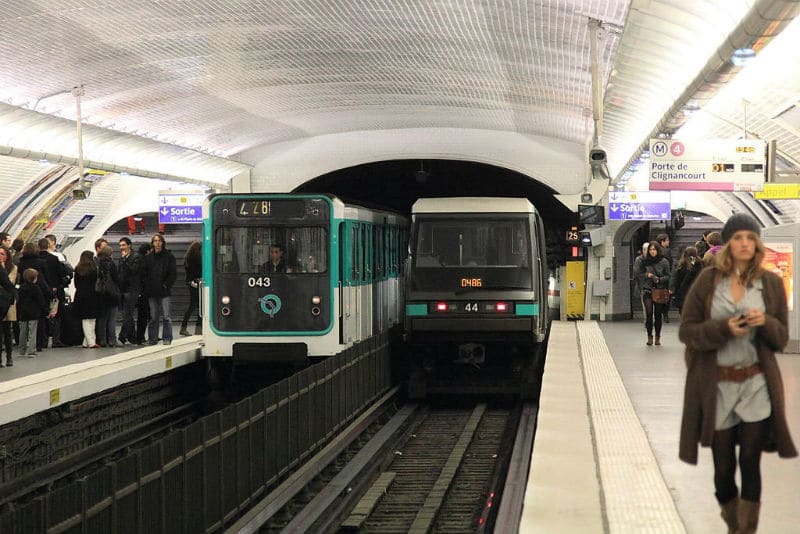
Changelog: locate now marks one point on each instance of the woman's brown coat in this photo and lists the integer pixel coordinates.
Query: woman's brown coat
(703, 336)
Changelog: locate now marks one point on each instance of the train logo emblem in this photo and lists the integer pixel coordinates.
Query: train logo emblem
(270, 304)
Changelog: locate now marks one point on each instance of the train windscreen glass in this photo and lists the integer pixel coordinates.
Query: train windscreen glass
(249, 249)
(489, 252)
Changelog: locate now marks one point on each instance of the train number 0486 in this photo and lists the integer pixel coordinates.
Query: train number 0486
(259, 281)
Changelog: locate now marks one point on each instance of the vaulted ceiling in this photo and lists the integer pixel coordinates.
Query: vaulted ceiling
(209, 88)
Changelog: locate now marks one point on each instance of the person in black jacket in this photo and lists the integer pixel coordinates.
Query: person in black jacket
(682, 277)
(107, 313)
(30, 259)
(31, 306)
(8, 310)
(193, 264)
(87, 301)
(158, 277)
(130, 283)
(142, 306)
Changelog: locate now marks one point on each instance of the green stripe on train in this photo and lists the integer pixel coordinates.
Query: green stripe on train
(416, 309)
(527, 309)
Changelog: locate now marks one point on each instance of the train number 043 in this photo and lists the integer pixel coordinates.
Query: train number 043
(259, 281)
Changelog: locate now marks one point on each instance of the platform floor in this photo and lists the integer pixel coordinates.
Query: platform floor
(611, 463)
(52, 358)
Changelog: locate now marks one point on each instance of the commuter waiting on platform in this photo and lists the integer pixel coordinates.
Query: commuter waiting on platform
(87, 301)
(109, 301)
(30, 259)
(32, 306)
(653, 275)
(193, 265)
(682, 277)
(8, 306)
(129, 269)
(142, 306)
(734, 320)
(158, 277)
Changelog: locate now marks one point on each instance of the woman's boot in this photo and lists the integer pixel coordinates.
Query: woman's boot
(649, 340)
(729, 514)
(183, 330)
(198, 330)
(658, 340)
(748, 516)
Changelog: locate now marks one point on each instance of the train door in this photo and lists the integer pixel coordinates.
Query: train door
(366, 284)
(349, 284)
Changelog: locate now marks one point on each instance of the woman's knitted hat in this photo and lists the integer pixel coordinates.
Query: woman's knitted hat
(739, 221)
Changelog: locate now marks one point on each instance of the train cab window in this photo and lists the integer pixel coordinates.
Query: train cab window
(272, 249)
(490, 247)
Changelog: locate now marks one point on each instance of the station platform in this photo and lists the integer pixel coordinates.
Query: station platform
(605, 456)
(57, 376)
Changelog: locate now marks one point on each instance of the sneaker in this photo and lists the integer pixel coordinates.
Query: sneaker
(167, 342)
(10, 364)
(58, 345)
(32, 355)
(184, 332)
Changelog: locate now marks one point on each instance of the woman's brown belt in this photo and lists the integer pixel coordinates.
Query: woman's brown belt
(737, 374)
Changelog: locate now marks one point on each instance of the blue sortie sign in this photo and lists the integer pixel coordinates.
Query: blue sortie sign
(176, 208)
(639, 206)
(635, 211)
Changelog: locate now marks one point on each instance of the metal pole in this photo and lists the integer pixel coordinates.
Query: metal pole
(77, 92)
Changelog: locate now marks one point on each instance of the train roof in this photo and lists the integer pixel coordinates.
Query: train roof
(473, 205)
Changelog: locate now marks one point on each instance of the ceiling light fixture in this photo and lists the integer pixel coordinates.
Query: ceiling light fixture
(743, 56)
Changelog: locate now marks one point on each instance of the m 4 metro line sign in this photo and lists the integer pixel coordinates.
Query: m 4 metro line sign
(639, 206)
(707, 164)
(175, 207)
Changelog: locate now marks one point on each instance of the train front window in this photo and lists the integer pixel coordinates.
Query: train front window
(271, 249)
(494, 250)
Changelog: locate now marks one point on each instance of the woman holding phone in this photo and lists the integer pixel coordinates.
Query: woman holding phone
(734, 319)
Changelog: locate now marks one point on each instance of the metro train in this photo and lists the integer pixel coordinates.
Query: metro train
(476, 282)
(293, 276)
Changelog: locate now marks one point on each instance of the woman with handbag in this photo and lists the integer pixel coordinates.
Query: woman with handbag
(653, 278)
(107, 287)
(734, 320)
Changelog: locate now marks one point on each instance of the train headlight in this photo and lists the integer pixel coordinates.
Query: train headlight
(226, 299)
(501, 306)
(441, 306)
(315, 300)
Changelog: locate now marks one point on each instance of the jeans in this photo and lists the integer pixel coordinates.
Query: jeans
(128, 306)
(106, 328)
(159, 308)
(27, 337)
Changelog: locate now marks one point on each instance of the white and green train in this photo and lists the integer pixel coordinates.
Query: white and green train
(292, 276)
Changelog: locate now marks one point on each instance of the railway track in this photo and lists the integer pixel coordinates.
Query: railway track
(406, 468)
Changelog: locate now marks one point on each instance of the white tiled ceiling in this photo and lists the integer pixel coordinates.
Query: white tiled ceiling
(225, 77)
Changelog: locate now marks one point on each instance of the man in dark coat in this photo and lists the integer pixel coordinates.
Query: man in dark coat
(55, 275)
(158, 277)
(130, 283)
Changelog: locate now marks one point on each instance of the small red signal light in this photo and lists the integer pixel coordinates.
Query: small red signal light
(441, 306)
(501, 306)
